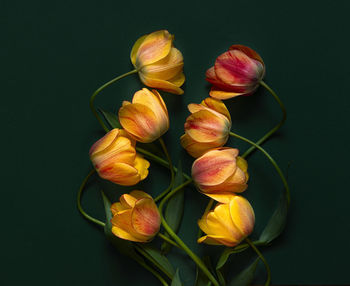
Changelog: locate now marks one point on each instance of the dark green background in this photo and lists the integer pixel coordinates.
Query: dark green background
(54, 54)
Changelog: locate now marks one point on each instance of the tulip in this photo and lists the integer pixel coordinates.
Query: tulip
(236, 72)
(207, 127)
(146, 118)
(219, 173)
(228, 224)
(135, 217)
(115, 159)
(158, 63)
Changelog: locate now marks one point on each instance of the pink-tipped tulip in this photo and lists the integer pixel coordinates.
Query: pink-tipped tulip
(229, 223)
(207, 127)
(115, 159)
(236, 72)
(159, 64)
(146, 118)
(219, 173)
(135, 217)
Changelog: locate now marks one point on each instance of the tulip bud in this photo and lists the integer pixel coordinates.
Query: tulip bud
(159, 64)
(135, 217)
(219, 173)
(115, 159)
(207, 127)
(236, 72)
(229, 223)
(146, 118)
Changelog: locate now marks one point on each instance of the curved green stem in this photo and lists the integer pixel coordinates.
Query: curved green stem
(159, 160)
(165, 150)
(93, 109)
(268, 280)
(207, 209)
(167, 239)
(273, 130)
(80, 208)
(270, 159)
(178, 240)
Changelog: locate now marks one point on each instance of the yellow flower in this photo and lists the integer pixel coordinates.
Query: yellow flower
(159, 64)
(115, 159)
(229, 223)
(220, 172)
(207, 127)
(135, 217)
(146, 118)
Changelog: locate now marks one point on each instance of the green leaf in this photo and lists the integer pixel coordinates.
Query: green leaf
(176, 280)
(245, 277)
(276, 223)
(226, 254)
(123, 246)
(175, 208)
(201, 278)
(111, 118)
(158, 259)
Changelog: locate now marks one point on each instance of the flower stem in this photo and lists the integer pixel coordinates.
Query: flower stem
(273, 130)
(178, 240)
(171, 170)
(80, 208)
(167, 239)
(102, 87)
(270, 159)
(268, 280)
(159, 160)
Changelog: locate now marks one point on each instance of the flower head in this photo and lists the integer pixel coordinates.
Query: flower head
(146, 118)
(229, 223)
(115, 159)
(135, 217)
(219, 173)
(159, 64)
(207, 127)
(236, 72)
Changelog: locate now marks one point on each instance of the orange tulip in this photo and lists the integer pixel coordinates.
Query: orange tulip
(115, 159)
(219, 173)
(146, 118)
(207, 127)
(229, 223)
(236, 72)
(135, 217)
(159, 64)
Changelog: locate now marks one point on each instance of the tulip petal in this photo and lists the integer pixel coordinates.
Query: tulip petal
(117, 207)
(154, 47)
(214, 167)
(117, 231)
(127, 201)
(168, 86)
(145, 217)
(209, 240)
(140, 122)
(242, 215)
(166, 68)
(195, 148)
(135, 48)
(220, 94)
(139, 195)
(221, 197)
(120, 173)
(154, 101)
(235, 67)
(141, 165)
(104, 142)
(248, 51)
(243, 165)
(204, 126)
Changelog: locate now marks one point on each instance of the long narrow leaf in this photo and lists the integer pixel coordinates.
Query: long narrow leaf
(111, 118)
(245, 277)
(176, 280)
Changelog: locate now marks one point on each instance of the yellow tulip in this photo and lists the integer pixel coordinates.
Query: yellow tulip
(115, 159)
(219, 173)
(229, 223)
(146, 118)
(207, 127)
(135, 217)
(159, 64)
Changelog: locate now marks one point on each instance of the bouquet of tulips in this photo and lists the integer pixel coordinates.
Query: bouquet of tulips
(218, 172)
